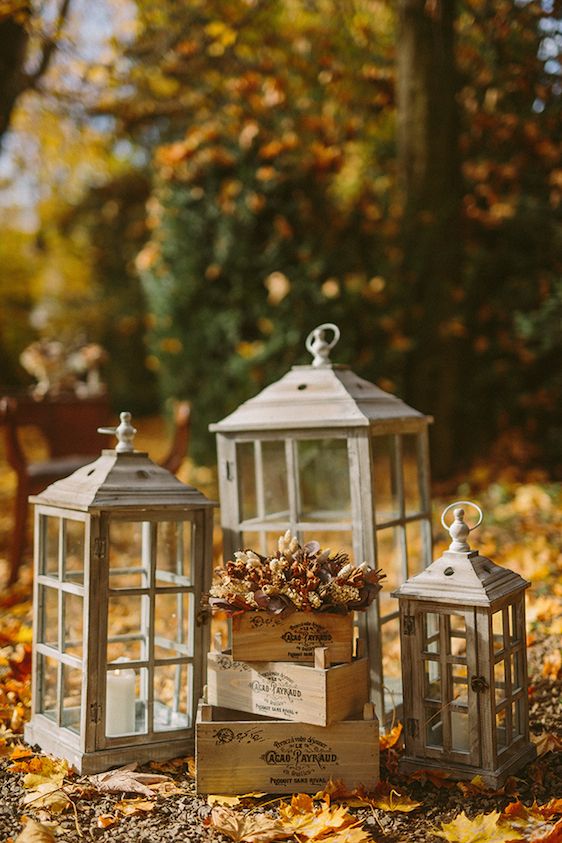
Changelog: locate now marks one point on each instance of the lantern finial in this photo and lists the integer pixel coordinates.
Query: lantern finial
(318, 346)
(125, 433)
(459, 529)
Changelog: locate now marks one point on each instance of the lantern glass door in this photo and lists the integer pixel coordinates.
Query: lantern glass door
(150, 628)
(447, 705)
(403, 539)
(60, 620)
(508, 675)
(301, 484)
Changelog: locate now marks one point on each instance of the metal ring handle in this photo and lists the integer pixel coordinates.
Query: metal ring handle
(325, 325)
(465, 503)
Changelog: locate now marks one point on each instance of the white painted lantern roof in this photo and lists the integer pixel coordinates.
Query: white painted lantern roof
(320, 395)
(122, 479)
(462, 575)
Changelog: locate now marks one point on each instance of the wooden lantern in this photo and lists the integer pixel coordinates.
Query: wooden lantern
(332, 457)
(122, 555)
(462, 624)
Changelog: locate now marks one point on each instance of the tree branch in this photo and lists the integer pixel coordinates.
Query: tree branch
(49, 48)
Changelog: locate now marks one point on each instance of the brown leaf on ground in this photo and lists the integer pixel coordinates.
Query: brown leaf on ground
(438, 778)
(546, 742)
(174, 765)
(20, 751)
(353, 834)
(387, 797)
(130, 807)
(484, 828)
(47, 795)
(34, 832)
(217, 799)
(106, 820)
(478, 787)
(391, 739)
(250, 828)
(126, 780)
(533, 823)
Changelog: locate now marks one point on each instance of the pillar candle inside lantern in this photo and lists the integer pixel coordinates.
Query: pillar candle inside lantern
(120, 702)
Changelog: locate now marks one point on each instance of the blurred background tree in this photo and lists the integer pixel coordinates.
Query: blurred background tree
(391, 167)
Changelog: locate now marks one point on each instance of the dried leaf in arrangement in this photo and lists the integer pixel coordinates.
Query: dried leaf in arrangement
(296, 578)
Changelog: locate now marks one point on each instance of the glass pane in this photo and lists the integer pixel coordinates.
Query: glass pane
(47, 693)
(433, 727)
(516, 626)
(73, 630)
(457, 635)
(431, 632)
(497, 631)
(173, 552)
(459, 683)
(501, 729)
(125, 701)
(71, 697)
(432, 681)
(412, 492)
(323, 480)
(127, 627)
(129, 554)
(516, 671)
(387, 505)
(459, 731)
(516, 725)
(73, 561)
(389, 558)
(276, 499)
(499, 681)
(246, 480)
(391, 662)
(416, 548)
(172, 696)
(50, 556)
(173, 625)
(49, 602)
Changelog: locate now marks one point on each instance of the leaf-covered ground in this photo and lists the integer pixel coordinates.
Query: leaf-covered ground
(42, 800)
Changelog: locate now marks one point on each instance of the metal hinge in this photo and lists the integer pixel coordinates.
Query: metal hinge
(100, 549)
(409, 624)
(412, 727)
(95, 713)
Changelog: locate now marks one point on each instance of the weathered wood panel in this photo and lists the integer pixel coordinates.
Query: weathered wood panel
(258, 636)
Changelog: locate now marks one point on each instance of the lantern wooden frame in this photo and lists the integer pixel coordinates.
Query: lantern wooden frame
(121, 494)
(464, 665)
(327, 403)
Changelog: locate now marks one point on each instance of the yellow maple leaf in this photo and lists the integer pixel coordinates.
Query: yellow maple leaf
(130, 807)
(302, 818)
(389, 798)
(47, 794)
(546, 742)
(532, 822)
(34, 832)
(353, 834)
(391, 739)
(484, 828)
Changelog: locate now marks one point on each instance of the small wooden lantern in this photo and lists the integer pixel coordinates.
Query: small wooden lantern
(464, 665)
(332, 457)
(122, 555)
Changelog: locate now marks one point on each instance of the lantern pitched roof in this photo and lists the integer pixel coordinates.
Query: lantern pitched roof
(121, 480)
(322, 396)
(463, 578)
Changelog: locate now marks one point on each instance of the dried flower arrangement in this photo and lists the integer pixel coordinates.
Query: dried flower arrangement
(296, 578)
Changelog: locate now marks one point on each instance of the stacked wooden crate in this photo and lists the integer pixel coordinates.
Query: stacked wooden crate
(287, 708)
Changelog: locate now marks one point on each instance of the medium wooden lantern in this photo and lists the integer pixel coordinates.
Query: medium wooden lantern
(122, 555)
(332, 457)
(464, 664)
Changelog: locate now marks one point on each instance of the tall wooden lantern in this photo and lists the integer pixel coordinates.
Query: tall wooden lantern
(122, 555)
(464, 664)
(332, 457)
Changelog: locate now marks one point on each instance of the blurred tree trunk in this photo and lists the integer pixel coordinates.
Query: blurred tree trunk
(14, 49)
(428, 128)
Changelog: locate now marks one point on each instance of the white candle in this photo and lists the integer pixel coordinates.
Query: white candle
(459, 731)
(120, 702)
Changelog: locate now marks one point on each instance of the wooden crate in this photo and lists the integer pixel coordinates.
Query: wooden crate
(236, 755)
(258, 636)
(317, 694)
